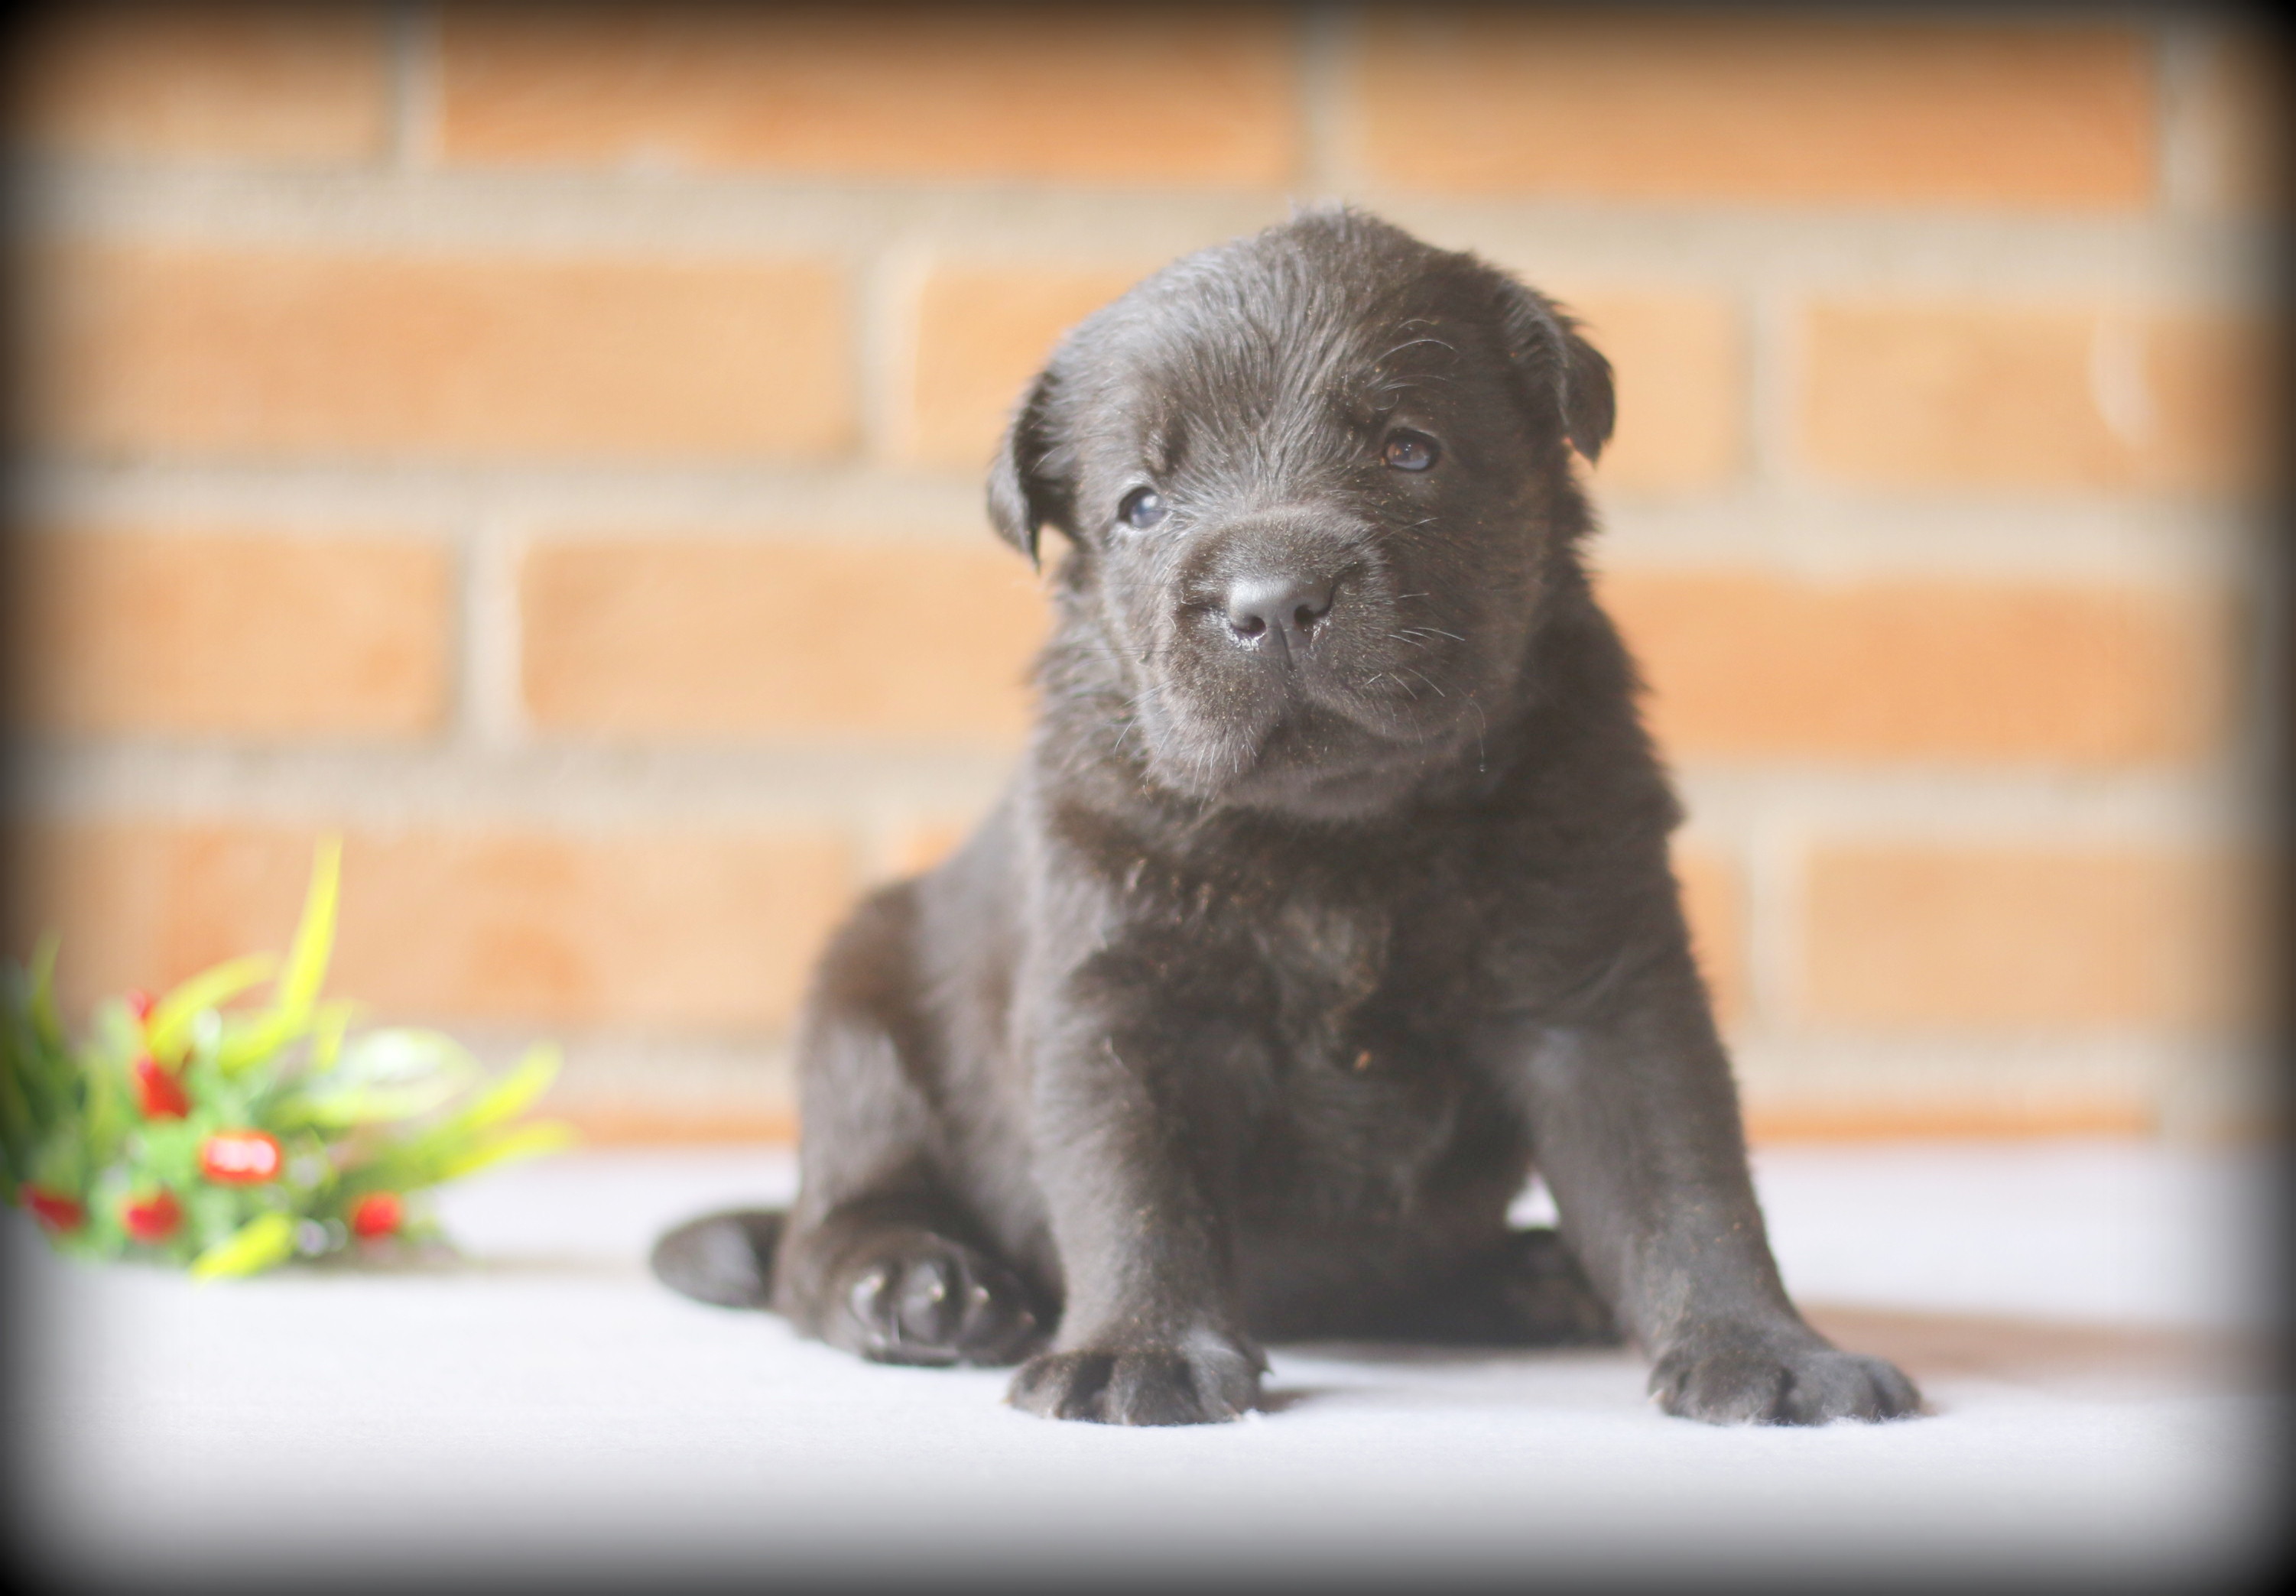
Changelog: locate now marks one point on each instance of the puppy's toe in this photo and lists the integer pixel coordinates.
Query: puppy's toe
(1844, 1384)
(1204, 1384)
(1063, 1385)
(935, 1301)
(1747, 1378)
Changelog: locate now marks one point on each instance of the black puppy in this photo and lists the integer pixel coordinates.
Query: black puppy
(1333, 895)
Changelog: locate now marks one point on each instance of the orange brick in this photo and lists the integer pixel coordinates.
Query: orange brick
(1680, 365)
(924, 845)
(290, 84)
(1746, 665)
(229, 634)
(981, 333)
(735, 638)
(1135, 94)
(2102, 1109)
(1746, 107)
(1713, 899)
(175, 351)
(1911, 936)
(1929, 396)
(702, 932)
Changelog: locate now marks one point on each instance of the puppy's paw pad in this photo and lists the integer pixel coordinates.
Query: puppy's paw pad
(1153, 1384)
(1753, 1383)
(938, 1302)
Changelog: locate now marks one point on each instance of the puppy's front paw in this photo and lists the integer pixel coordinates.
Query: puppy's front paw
(1203, 1382)
(927, 1299)
(1746, 1377)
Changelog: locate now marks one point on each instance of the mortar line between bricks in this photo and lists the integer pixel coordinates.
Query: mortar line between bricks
(1770, 323)
(1769, 854)
(414, 66)
(885, 351)
(2180, 52)
(1820, 535)
(2264, 755)
(2205, 258)
(493, 711)
(632, 780)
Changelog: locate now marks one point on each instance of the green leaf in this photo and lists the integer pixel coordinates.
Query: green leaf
(20, 1120)
(418, 1160)
(382, 1075)
(169, 1033)
(524, 1142)
(42, 1003)
(515, 1093)
(264, 1240)
(38, 1081)
(328, 1028)
(307, 967)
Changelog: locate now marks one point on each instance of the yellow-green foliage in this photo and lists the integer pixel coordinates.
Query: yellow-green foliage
(123, 1145)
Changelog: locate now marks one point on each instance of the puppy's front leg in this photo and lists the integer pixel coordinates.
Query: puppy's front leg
(1635, 1126)
(1129, 1149)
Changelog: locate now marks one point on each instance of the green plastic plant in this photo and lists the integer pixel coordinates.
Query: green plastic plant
(232, 1140)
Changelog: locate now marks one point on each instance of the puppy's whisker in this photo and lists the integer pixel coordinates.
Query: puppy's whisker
(1412, 343)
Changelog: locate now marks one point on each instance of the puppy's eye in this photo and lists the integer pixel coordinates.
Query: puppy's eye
(1411, 451)
(1141, 509)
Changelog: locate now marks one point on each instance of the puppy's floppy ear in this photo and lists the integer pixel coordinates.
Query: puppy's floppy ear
(1548, 351)
(1025, 489)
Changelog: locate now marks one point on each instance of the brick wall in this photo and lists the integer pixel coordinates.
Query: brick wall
(544, 446)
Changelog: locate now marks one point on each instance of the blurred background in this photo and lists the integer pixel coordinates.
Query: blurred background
(544, 445)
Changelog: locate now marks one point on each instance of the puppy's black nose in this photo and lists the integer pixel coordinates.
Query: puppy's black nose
(1282, 610)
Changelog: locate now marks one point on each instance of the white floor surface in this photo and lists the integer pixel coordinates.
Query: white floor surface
(545, 1412)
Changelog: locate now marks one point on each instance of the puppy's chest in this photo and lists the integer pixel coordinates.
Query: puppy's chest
(1369, 1093)
(1360, 1089)
(1348, 993)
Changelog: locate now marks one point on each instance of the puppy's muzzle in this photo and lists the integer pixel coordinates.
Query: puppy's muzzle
(1278, 588)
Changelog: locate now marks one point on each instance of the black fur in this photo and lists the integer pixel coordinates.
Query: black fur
(1333, 895)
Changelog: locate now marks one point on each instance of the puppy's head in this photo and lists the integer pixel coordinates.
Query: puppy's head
(1315, 479)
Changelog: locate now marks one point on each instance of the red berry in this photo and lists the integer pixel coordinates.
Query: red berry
(160, 1091)
(59, 1214)
(153, 1220)
(240, 1157)
(377, 1214)
(140, 1003)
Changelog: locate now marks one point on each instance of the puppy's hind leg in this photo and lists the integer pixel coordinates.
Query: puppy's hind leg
(880, 1257)
(888, 1282)
(1528, 1292)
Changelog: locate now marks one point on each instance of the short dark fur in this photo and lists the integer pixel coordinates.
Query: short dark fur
(1333, 897)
